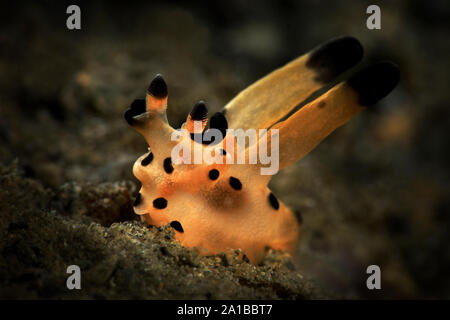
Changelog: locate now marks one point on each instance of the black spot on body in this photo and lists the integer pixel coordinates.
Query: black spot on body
(199, 111)
(375, 82)
(168, 165)
(160, 203)
(136, 108)
(146, 161)
(321, 104)
(274, 201)
(334, 57)
(177, 226)
(213, 174)
(223, 152)
(137, 201)
(158, 87)
(235, 183)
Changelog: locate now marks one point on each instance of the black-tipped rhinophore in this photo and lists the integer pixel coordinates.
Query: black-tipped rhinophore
(158, 87)
(219, 122)
(375, 82)
(199, 111)
(136, 108)
(334, 57)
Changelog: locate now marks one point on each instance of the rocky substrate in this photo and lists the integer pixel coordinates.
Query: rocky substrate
(43, 231)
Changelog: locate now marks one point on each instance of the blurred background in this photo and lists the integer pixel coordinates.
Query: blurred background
(374, 192)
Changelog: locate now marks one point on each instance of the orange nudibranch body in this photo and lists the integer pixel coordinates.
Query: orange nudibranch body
(216, 206)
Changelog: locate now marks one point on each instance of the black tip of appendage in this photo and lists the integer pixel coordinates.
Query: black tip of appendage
(136, 108)
(199, 111)
(158, 87)
(334, 57)
(375, 82)
(219, 122)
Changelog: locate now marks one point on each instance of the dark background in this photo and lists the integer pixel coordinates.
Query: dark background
(375, 192)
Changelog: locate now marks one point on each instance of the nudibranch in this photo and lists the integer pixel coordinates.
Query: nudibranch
(217, 206)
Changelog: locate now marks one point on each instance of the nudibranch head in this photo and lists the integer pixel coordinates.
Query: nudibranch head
(221, 203)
